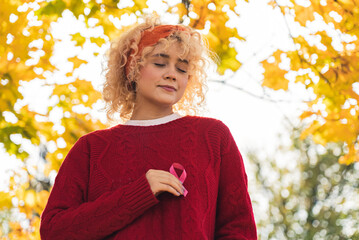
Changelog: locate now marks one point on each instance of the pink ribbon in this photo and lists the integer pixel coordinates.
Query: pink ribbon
(182, 177)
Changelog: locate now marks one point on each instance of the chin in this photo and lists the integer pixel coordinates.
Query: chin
(167, 104)
(167, 101)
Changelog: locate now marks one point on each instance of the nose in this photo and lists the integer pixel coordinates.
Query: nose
(170, 74)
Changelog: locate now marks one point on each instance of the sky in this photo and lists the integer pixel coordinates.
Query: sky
(255, 123)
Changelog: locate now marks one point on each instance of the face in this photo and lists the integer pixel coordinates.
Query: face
(163, 78)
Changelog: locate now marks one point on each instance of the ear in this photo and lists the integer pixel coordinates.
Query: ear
(132, 86)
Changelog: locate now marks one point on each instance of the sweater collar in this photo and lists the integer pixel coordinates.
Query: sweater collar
(153, 122)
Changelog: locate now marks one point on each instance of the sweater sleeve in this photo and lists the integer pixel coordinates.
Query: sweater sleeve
(234, 218)
(68, 214)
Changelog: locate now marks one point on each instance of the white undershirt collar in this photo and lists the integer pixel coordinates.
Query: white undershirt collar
(153, 122)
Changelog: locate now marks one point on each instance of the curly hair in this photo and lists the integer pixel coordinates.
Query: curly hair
(119, 89)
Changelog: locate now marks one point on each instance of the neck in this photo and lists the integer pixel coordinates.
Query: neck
(141, 113)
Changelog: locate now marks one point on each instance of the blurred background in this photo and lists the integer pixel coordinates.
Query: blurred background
(286, 84)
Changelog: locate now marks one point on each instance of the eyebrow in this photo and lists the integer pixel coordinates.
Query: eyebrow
(163, 55)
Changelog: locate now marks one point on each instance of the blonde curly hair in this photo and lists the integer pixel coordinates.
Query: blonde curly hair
(119, 90)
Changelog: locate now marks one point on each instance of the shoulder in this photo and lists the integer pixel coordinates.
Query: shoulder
(215, 132)
(204, 120)
(208, 123)
(102, 136)
(210, 126)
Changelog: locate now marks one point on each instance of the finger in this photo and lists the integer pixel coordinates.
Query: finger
(165, 173)
(174, 178)
(173, 182)
(170, 189)
(178, 183)
(168, 178)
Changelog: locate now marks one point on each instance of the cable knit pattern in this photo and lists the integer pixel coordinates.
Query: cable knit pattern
(101, 190)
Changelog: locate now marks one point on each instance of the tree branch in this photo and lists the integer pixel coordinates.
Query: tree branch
(299, 56)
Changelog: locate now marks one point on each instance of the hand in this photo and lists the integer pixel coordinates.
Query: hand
(161, 181)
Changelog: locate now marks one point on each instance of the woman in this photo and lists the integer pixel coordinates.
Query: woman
(160, 175)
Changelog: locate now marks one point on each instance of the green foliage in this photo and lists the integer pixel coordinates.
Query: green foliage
(312, 196)
(53, 8)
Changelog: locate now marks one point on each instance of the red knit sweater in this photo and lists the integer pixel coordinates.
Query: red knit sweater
(101, 191)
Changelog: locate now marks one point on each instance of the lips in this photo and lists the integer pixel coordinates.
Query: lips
(168, 88)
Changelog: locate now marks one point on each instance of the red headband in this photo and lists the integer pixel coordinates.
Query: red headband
(151, 36)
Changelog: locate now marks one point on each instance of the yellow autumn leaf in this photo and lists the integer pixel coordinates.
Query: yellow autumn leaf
(303, 14)
(30, 198)
(311, 129)
(352, 156)
(302, 78)
(231, 3)
(228, 61)
(179, 9)
(306, 114)
(274, 77)
(76, 61)
(272, 3)
(5, 200)
(98, 40)
(141, 4)
(79, 39)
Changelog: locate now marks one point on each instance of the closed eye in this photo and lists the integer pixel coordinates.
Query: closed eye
(181, 70)
(163, 65)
